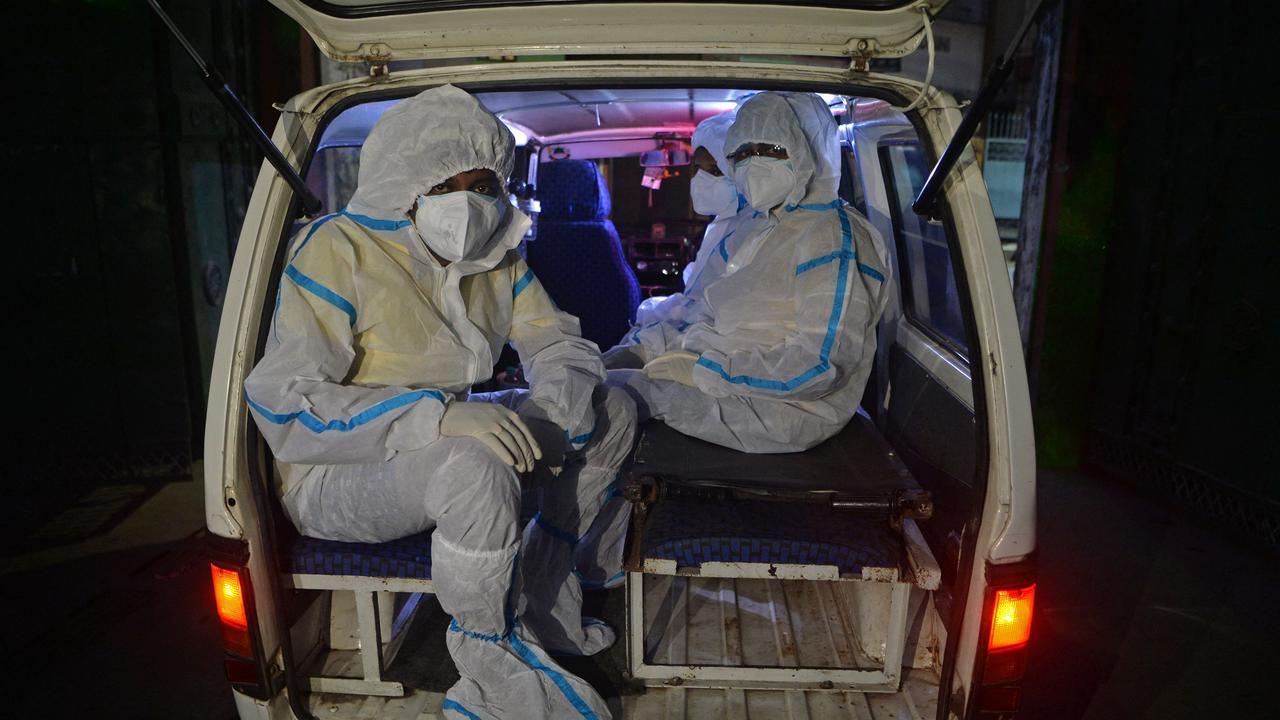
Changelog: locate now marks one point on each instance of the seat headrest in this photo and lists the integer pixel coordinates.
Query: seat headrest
(572, 190)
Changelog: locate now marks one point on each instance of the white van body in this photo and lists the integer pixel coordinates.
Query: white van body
(1002, 530)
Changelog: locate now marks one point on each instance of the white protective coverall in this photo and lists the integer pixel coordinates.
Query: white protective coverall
(372, 340)
(709, 134)
(599, 555)
(719, 239)
(785, 350)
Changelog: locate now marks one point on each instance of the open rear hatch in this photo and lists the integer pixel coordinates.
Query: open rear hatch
(387, 30)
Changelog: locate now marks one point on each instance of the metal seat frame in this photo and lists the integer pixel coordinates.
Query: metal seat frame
(919, 570)
(380, 630)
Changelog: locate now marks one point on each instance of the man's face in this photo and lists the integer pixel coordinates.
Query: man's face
(704, 162)
(485, 182)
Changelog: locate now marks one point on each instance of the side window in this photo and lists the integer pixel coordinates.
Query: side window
(332, 176)
(928, 279)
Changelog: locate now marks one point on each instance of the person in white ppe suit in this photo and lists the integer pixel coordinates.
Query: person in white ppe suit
(713, 193)
(599, 554)
(781, 359)
(388, 312)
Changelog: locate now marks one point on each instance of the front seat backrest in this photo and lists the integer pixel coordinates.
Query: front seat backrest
(576, 254)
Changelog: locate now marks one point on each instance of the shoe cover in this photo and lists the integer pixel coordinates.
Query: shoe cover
(505, 673)
(598, 555)
(473, 585)
(510, 678)
(551, 594)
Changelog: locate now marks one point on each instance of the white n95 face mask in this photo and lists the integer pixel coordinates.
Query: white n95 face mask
(713, 194)
(457, 225)
(765, 181)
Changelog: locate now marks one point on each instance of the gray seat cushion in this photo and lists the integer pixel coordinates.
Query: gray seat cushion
(855, 464)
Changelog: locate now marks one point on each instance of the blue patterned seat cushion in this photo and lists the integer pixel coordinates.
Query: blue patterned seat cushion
(577, 255)
(693, 532)
(408, 557)
(572, 190)
(582, 267)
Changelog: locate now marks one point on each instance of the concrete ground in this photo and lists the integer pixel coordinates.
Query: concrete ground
(115, 621)
(1143, 612)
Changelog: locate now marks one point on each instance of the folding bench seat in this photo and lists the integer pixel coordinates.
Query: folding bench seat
(855, 470)
(797, 570)
(370, 575)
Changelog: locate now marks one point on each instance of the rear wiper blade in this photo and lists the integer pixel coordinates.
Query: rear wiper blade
(926, 202)
(213, 80)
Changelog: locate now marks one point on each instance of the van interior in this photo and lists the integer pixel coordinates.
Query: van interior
(857, 542)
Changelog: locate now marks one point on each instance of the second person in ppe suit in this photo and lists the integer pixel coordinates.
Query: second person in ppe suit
(713, 193)
(388, 312)
(599, 555)
(781, 359)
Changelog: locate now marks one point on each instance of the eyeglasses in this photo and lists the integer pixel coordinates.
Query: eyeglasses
(747, 150)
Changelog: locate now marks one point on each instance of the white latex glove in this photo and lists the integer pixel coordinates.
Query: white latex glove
(676, 366)
(497, 427)
(623, 356)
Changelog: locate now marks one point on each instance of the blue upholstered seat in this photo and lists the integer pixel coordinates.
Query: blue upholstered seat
(408, 557)
(692, 532)
(577, 255)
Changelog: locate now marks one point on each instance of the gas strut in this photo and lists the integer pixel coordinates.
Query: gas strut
(218, 86)
(926, 202)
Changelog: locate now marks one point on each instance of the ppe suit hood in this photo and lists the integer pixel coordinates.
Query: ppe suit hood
(710, 134)
(801, 123)
(424, 141)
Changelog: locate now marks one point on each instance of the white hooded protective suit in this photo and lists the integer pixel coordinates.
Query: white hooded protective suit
(710, 134)
(789, 334)
(599, 555)
(372, 339)
(645, 339)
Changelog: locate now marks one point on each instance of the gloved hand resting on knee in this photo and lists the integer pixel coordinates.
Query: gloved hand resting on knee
(497, 427)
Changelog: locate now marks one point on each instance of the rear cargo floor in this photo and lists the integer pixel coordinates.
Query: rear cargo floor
(765, 623)
(731, 622)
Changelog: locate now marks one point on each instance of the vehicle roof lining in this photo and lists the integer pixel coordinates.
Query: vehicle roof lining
(548, 116)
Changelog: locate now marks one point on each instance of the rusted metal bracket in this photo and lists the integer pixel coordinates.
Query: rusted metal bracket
(859, 56)
(913, 504)
(642, 492)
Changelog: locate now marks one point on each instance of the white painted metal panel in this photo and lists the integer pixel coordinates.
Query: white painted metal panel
(617, 28)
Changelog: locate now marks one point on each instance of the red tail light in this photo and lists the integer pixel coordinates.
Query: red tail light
(233, 599)
(1010, 603)
(229, 597)
(1011, 618)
